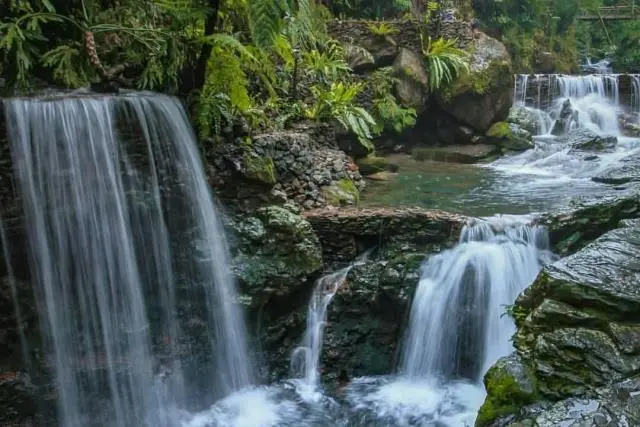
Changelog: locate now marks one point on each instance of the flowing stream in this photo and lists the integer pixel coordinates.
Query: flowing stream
(120, 226)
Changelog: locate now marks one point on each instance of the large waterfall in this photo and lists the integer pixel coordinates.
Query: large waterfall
(127, 257)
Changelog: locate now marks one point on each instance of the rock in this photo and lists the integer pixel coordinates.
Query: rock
(485, 95)
(578, 322)
(259, 168)
(276, 250)
(384, 49)
(412, 86)
(358, 58)
(382, 176)
(372, 164)
(341, 193)
(584, 140)
(510, 385)
(510, 136)
(626, 170)
(545, 63)
(524, 117)
(566, 117)
(456, 153)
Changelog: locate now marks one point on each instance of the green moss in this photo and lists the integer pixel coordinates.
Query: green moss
(372, 164)
(343, 192)
(479, 82)
(504, 396)
(500, 130)
(259, 168)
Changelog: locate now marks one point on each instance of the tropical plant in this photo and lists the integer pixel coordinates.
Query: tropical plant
(389, 115)
(382, 29)
(445, 61)
(339, 103)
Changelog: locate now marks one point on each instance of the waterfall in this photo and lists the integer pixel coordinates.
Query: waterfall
(635, 94)
(457, 328)
(125, 243)
(305, 360)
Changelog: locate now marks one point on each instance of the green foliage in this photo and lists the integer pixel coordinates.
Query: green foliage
(389, 115)
(339, 103)
(382, 29)
(445, 62)
(214, 109)
(326, 66)
(370, 9)
(64, 60)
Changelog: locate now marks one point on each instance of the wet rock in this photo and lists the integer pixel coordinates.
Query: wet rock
(412, 87)
(342, 193)
(591, 345)
(510, 385)
(510, 136)
(626, 170)
(276, 251)
(584, 140)
(485, 95)
(525, 118)
(566, 116)
(456, 153)
(382, 176)
(372, 164)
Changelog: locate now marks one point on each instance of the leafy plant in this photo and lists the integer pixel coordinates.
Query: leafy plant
(445, 62)
(382, 29)
(326, 66)
(389, 115)
(339, 103)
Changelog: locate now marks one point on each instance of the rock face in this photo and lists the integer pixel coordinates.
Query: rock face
(564, 119)
(486, 94)
(579, 337)
(412, 87)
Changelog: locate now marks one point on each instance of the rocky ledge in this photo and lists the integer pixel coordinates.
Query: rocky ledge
(578, 342)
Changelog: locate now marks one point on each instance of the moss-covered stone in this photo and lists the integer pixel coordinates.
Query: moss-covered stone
(342, 193)
(510, 385)
(259, 168)
(373, 164)
(500, 130)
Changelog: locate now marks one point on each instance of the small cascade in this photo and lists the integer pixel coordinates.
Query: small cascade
(635, 94)
(123, 237)
(457, 329)
(305, 361)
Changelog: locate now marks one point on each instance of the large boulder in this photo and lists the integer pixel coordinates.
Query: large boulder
(565, 118)
(585, 140)
(465, 154)
(485, 95)
(412, 87)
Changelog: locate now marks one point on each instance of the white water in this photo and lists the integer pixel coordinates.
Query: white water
(635, 95)
(122, 235)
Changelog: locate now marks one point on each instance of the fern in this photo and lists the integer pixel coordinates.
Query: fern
(227, 76)
(382, 29)
(446, 62)
(265, 21)
(66, 63)
(326, 66)
(214, 109)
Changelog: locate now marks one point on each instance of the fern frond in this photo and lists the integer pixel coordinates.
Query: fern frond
(265, 21)
(66, 64)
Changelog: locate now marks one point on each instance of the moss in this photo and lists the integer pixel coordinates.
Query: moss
(372, 164)
(259, 168)
(341, 193)
(500, 130)
(504, 396)
(479, 82)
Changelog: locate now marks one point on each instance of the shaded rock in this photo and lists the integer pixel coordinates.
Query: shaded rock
(372, 164)
(485, 95)
(412, 86)
(524, 117)
(276, 250)
(591, 345)
(626, 170)
(358, 58)
(259, 168)
(545, 63)
(510, 385)
(456, 153)
(384, 49)
(510, 136)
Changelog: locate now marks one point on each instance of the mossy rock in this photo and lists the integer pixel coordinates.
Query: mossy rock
(342, 193)
(500, 130)
(510, 136)
(510, 385)
(374, 164)
(259, 168)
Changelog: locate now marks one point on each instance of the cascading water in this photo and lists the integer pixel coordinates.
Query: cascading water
(123, 238)
(635, 95)
(457, 328)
